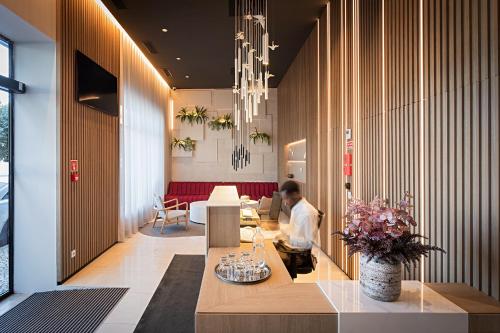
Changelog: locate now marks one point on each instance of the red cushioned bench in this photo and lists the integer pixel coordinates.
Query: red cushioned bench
(198, 191)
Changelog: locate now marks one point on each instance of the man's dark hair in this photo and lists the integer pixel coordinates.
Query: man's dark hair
(290, 187)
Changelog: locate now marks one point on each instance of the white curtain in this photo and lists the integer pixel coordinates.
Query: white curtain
(144, 100)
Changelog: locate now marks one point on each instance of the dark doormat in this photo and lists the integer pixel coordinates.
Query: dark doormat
(76, 310)
(174, 302)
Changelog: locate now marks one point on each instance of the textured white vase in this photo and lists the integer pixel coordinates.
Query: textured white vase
(380, 280)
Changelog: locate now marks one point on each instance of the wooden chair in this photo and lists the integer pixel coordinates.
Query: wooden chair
(170, 214)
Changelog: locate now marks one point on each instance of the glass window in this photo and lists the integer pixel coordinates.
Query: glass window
(4, 59)
(5, 226)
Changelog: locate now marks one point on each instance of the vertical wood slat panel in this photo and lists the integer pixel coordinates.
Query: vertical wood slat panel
(89, 208)
(298, 96)
(460, 126)
(461, 133)
(371, 140)
(322, 142)
(337, 196)
(402, 105)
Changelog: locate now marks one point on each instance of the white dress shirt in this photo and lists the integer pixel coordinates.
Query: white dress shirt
(302, 230)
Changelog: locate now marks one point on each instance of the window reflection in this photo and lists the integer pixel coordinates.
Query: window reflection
(4, 174)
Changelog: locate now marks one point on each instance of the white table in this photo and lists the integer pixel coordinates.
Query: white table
(419, 309)
(198, 212)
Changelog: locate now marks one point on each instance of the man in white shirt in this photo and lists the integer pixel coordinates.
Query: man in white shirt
(302, 230)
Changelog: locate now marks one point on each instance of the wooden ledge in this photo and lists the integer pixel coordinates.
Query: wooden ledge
(483, 310)
(470, 299)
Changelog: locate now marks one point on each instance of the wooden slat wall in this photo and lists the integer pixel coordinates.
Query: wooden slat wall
(337, 40)
(453, 123)
(461, 89)
(89, 208)
(298, 108)
(299, 118)
(351, 97)
(370, 113)
(402, 106)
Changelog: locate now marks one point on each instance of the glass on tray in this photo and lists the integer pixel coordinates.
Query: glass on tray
(242, 267)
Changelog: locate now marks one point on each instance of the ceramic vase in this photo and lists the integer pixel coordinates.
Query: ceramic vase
(380, 280)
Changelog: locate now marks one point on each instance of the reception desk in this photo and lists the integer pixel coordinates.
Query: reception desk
(223, 218)
(275, 305)
(278, 305)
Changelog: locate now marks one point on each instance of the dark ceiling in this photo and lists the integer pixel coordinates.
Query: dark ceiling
(201, 33)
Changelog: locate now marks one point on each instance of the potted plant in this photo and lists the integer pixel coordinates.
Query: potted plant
(221, 122)
(197, 115)
(383, 237)
(186, 144)
(263, 137)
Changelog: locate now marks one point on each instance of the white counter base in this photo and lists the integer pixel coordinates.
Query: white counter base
(418, 310)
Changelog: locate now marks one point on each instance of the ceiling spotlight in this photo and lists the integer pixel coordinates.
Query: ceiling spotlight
(178, 58)
(164, 29)
(187, 76)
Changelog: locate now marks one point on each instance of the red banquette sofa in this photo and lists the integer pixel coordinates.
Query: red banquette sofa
(198, 191)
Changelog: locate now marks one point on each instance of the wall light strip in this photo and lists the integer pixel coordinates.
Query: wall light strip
(296, 142)
(124, 32)
(329, 125)
(344, 83)
(318, 118)
(384, 121)
(171, 112)
(422, 142)
(356, 115)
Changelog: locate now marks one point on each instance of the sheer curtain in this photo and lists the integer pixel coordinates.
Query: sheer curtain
(144, 100)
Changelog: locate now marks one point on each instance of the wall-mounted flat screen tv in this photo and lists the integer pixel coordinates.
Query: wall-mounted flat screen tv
(96, 87)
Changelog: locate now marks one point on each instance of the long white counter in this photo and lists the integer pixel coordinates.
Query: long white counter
(419, 309)
(224, 196)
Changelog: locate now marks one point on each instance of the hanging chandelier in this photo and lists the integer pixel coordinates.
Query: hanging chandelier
(251, 72)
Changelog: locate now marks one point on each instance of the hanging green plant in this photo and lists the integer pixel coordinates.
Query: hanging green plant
(198, 115)
(221, 122)
(263, 137)
(186, 144)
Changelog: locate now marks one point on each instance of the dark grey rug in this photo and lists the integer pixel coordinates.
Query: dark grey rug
(68, 311)
(173, 230)
(174, 302)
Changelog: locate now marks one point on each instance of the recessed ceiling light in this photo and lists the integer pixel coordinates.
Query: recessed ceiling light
(164, 29)
(178, 58)
(187, 76)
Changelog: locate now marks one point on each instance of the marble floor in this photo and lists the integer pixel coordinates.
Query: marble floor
(139, 264)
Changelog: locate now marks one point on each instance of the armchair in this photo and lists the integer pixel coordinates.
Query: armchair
(169, 212)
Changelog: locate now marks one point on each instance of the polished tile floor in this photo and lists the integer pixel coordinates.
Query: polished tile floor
(139, 264)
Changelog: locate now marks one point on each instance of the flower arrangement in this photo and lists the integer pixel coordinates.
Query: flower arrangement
(221, 122)
(186, 144)
(198, 115)
(383, 232)
(263, 137)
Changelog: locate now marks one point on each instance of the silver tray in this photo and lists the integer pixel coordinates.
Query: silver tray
(266, 274)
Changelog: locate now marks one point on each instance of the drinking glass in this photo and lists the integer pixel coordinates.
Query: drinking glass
(224, 267)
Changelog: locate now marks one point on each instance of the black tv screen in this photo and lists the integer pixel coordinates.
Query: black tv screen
(95, 86)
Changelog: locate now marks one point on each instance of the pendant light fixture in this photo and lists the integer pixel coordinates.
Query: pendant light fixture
(251, 72)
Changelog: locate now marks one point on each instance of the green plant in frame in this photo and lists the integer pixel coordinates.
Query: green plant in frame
(184, 114)
(186, 144)
(198, 115)
(221, 122)
(263, 137)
